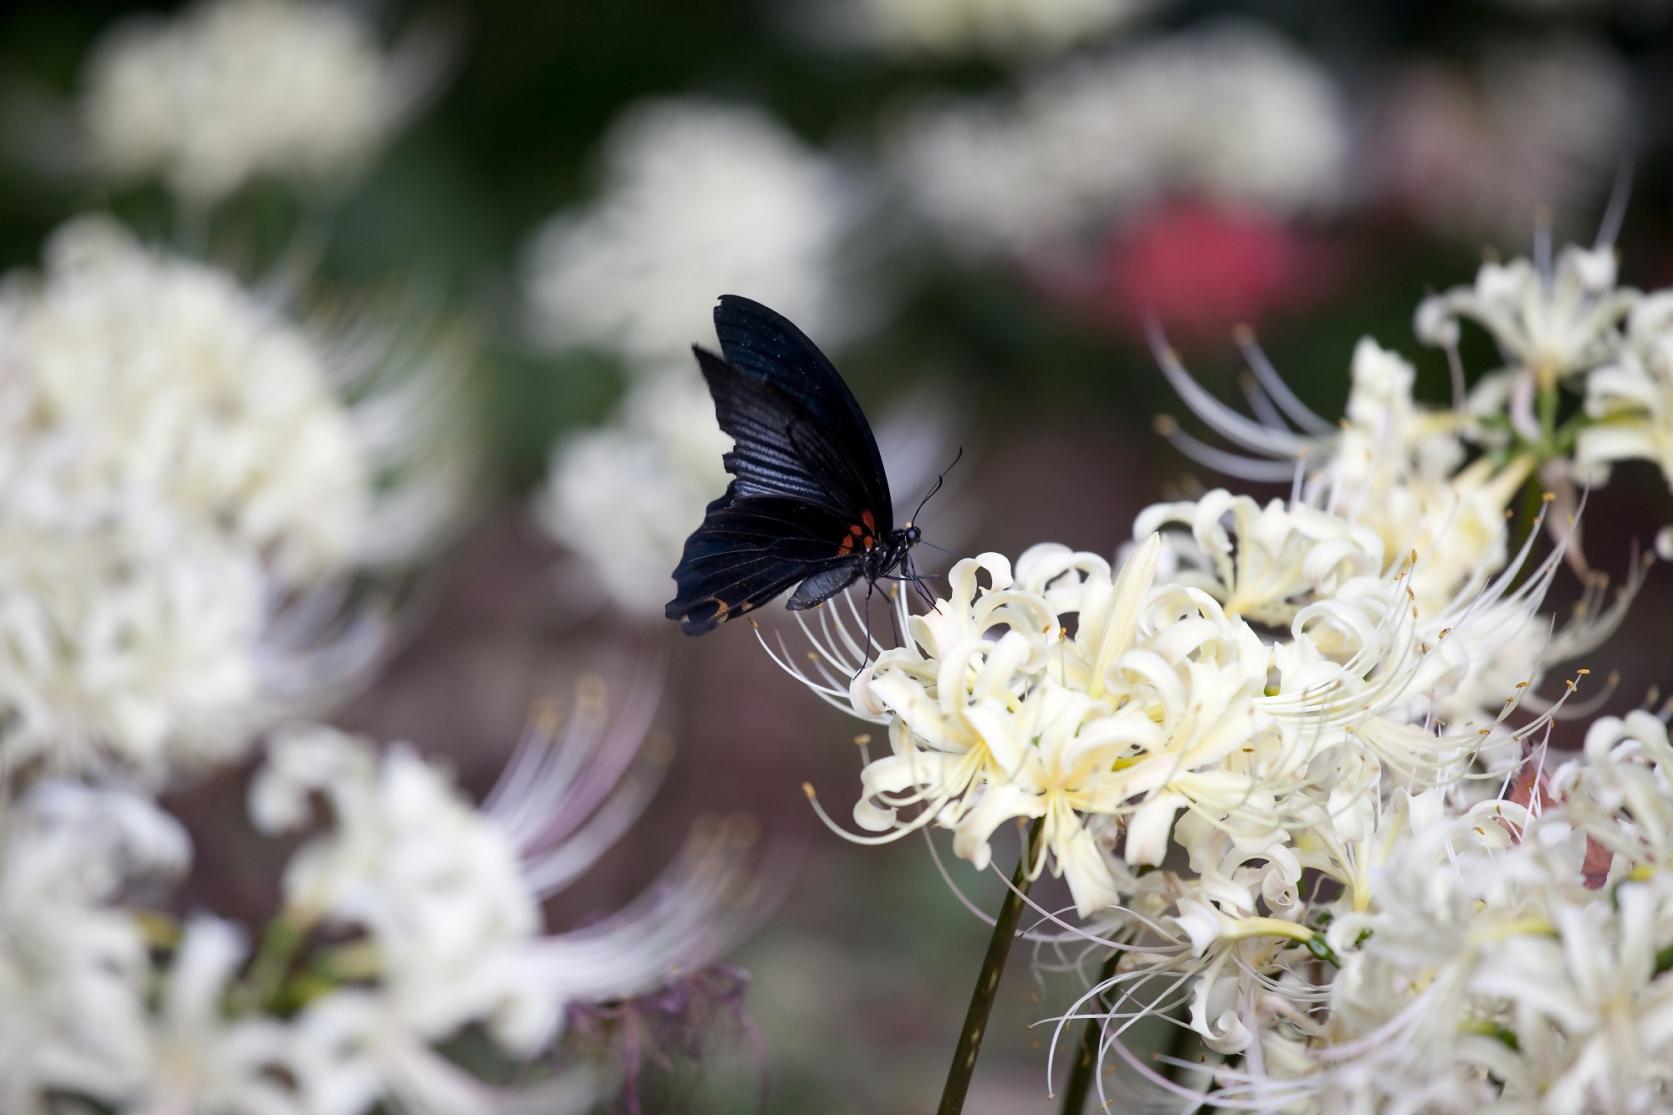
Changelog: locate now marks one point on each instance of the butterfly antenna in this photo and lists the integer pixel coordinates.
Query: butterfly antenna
(940, 480)
(933, 546)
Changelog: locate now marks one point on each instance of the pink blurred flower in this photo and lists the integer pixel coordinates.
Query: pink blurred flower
(1199, 270)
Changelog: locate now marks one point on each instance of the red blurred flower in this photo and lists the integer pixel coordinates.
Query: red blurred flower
(1199, 270)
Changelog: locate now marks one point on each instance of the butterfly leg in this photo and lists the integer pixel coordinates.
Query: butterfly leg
(894, 617)
(871, 586)
(922, 589)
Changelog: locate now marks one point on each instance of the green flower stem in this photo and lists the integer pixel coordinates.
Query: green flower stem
(987, 982)
(280, 942)
(1527, 513)
(160, 931)
(1086, 1058)
(1547, 404)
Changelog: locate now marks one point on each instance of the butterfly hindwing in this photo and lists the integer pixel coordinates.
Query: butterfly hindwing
(746, 552)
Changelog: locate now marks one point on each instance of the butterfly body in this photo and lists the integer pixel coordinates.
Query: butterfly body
(808, 504)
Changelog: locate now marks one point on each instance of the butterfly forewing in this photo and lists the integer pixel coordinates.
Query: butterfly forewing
(767, 348)
(748, 551)
(765, 458)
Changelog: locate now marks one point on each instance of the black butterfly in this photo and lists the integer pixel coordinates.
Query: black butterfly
(809, 500)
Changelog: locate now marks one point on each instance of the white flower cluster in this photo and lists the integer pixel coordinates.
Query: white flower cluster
(1230, 113)
(1428, 943)
(1631, 397)
(233, 90)
(999, 28)
(185, 489)
(134, 371)
(1441, 480)
(699, 199)
(1106, 705)
(412, 918)
(1569, 326)
(1290, 758)
(623, 497)
(1514, 957)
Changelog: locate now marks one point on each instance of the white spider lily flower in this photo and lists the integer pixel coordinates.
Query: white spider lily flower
(190, 491)
(1593, 1022)
(1391, 465)
(74, 970)
(233, 90)
(447, 900)
(409, 918)
(1144, 706)
(1631, 398)
(1395, 469)
(201, 1060)
(133, 641)
(699, 199)
(1622, 773)
(1551, 322)
(1490, 957)
(1152, 691)
(998, 28)
(623, 497)
(401, 367)
(1283, 558)
(1227, 112)
(1519, 972)
(1524, 646)
(351, 1051)
(134, 370)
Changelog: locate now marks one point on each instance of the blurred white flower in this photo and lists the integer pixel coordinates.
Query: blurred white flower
(232, 90)
(131, 370)
(74, 968)
(699, 199)
(1392, 465)
(623, 497)
(1230, 113)
(198, 1058)
(1000, 28)
(1631, 398)
(409, 917)
(447, 898)
(1535, 127)
(190, 481)
(1549, 322)
(127, 637)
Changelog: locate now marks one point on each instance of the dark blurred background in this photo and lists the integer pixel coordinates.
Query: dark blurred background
(1028, 356)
